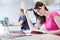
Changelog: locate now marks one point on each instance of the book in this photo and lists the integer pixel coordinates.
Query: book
(36, 32)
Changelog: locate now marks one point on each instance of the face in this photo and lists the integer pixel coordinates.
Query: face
(20, 12)
(40, 11)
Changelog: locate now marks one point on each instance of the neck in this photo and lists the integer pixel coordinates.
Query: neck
(22, 15)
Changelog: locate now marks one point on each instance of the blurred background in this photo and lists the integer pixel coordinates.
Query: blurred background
(9, 8)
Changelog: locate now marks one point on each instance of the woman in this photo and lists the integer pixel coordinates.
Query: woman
(51, 20)
(22, 20)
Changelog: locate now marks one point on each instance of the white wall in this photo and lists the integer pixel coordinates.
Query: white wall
(10, 8)
(9, 11)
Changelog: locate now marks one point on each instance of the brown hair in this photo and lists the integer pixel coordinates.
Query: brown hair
(22, 10)
(41, 18)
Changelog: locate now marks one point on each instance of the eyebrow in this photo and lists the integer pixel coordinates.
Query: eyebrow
(38, 8)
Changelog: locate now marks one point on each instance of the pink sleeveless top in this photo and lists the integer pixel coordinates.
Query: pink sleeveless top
(50, 24)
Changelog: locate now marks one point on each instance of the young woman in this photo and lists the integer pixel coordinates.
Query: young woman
(22, 20)
(50, 20)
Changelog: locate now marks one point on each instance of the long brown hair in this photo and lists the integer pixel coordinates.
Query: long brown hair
(41, 18)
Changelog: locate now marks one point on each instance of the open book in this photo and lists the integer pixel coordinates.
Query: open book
(37, 31)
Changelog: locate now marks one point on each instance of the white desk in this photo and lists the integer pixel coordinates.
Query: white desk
(34, 37)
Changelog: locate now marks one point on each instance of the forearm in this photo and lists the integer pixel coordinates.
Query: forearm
(54, 32)
(18, 23)
(29, 22)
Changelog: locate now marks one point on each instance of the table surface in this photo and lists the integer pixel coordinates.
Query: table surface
(33, 37)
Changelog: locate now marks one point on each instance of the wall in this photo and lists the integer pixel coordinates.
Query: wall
(10, 8)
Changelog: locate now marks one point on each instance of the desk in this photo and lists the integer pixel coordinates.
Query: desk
(34, 37)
